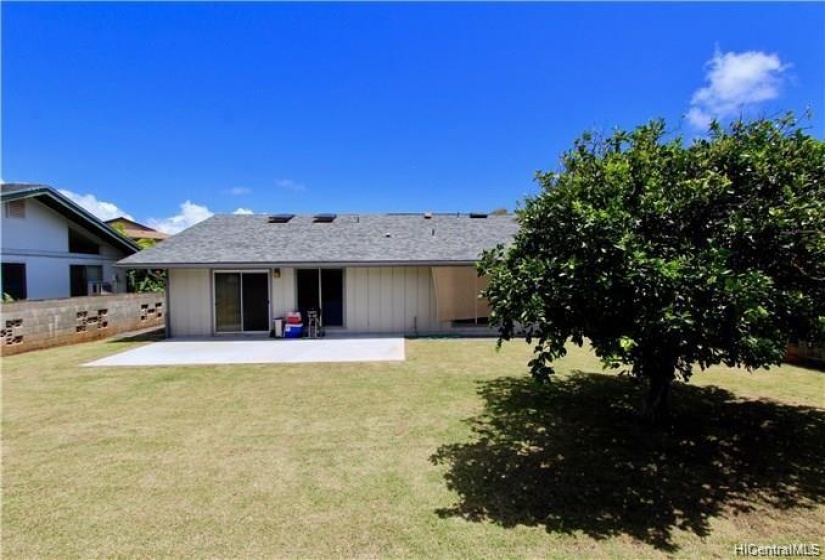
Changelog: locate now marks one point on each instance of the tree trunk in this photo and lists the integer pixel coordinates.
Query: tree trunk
(656, 406)
(660, 372)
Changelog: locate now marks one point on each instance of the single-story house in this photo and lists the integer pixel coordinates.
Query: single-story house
(368, 273)
(53, 248)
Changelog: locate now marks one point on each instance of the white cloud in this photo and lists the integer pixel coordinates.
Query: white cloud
(238, 191)
(101, 209)
(243, 211)
(290, 185)
(735, 81)
(190, 214)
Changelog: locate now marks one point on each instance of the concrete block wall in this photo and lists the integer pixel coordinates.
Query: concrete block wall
(32, 325)
(804, 354)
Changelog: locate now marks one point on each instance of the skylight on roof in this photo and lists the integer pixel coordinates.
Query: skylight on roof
(280, 218)
(478, 215)
(324, 218)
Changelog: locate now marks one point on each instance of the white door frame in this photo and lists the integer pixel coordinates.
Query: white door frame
(268, 300)
(343, 270)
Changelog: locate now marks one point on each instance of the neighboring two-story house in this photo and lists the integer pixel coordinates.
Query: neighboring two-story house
(53, 248)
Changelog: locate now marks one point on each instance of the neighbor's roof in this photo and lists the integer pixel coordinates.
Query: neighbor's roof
(228, 240)
(135, 230)
(67, 208)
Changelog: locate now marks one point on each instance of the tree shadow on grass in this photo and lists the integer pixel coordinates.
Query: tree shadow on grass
(572, 456)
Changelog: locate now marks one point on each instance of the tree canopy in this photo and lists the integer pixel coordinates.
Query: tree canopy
(667, 254)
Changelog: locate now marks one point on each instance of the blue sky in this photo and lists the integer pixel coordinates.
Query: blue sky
(168, 112)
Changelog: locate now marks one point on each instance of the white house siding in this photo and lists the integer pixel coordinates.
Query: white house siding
(41, 229)
(192, 299)
(283, 292)
(40, 240)
(46, 277)
(397, 300)
(390, 300)
(376, 299)
(190, 302)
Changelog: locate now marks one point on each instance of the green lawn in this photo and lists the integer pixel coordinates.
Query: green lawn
(453, 453)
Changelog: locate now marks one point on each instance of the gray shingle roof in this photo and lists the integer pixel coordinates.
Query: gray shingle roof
(228, 239)
(19, 188)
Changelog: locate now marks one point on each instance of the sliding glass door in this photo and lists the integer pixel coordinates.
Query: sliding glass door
(322, 290)
(241, 301)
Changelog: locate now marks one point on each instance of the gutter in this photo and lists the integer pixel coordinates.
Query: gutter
(293, 264)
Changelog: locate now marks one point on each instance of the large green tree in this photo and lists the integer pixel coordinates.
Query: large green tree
(667, 254)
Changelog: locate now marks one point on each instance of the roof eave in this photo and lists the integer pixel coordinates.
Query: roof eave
(295, 264)
(28, 192)
(89, 220)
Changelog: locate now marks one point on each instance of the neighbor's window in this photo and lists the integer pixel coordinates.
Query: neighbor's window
(14, 280)
(16, 209)
(79, 243)
(81, 276)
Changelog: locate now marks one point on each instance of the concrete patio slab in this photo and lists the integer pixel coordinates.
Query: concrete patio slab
(279, 351)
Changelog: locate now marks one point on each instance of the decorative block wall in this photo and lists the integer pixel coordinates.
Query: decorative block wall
(32, 325)
(804, 354)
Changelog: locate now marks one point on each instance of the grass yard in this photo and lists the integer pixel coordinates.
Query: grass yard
(451, 454)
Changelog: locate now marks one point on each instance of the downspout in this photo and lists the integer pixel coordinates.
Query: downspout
(167, 324)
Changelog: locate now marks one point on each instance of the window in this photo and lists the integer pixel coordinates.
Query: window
(14, 280)
(79, 243)
(16, 209)
(81, 276)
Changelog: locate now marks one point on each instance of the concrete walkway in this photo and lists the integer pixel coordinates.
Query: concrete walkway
(177, 352)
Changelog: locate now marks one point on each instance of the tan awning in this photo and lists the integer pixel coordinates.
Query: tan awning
(457, 293)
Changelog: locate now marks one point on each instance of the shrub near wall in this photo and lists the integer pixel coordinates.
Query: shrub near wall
(32, 325)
